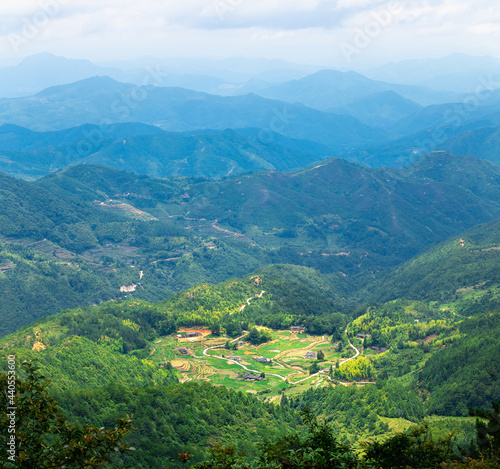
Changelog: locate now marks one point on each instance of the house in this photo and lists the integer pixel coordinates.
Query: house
(187, 335)
(263, 360)
(183, 350)
(252, 377)
(241, 343)
(310, 355)
(363, 336)
(379, 349)
(297, 329)
(235, 358)
(5, 268)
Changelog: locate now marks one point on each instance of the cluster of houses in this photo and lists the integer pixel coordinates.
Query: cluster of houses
(297, 329)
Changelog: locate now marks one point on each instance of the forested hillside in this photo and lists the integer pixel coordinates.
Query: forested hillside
(467, 261)
(111, 234)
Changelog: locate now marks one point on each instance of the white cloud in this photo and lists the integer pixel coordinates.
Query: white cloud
(303, 30)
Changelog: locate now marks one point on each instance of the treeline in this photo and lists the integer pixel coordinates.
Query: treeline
(189, 417)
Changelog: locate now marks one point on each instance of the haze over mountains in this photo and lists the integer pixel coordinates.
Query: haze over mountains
(283, 125)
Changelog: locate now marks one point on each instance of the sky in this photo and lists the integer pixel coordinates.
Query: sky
(335, 33)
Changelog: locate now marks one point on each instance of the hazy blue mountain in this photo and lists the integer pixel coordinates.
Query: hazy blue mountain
(16, 138)
(37, 72)
(472, 113)
(230, 70)
(324, 90)
(40, 71)
(101, 99)
(384, 108)
(213, 156)
(330, 89)
(458, 72)
(307, 146)
(28, 154)
(483, 142)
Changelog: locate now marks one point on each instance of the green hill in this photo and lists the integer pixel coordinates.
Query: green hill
(467, 261)
(482, 142)
(144, 149)
(340, 207)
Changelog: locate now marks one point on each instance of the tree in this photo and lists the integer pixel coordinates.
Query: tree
(215, 328)
(321, 355)
(43, 437)
(487, 427)
(314, 368)
(253, 336)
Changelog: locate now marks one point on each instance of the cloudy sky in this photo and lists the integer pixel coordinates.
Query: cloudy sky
(340, 33)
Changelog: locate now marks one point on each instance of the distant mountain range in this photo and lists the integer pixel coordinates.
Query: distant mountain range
(145, 149)
(459, 73)
(37, 72)
(281, 126)
(101, 100)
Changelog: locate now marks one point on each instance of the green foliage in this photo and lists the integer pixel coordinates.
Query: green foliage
(314, 368)
(456, 376)
(415, 449)
(465, 261)
(354, 411)
(44, 438)
(488, 430)
(357, 369)
(318, 448)
(188, 417)
(257, 337)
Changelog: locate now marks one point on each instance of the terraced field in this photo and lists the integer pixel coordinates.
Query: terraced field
(207, 359)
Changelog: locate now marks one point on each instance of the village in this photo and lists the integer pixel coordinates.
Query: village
(292, 359)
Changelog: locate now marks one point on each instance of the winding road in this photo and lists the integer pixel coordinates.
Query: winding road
(242, 307)
(324, 370)
(206, 354)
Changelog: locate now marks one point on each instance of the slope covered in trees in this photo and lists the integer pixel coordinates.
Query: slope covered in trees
(466, 261)
(158, 237)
